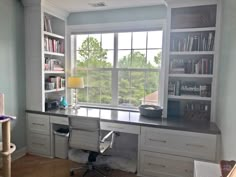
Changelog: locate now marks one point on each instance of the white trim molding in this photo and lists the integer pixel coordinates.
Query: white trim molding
(19, 153)
(117, 27)
(55, 10)
(48, 7)
(188, 3)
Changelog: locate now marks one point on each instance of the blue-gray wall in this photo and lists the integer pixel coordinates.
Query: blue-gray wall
(118, 15)
(12, 66)
(226, 114)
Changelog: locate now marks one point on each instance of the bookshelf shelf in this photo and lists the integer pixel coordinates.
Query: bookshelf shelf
(53, 35)
(193, 53)
(55, 90)
(193, 30)
(183, 97)
(54, 54)
(54, 72)
(191, 75)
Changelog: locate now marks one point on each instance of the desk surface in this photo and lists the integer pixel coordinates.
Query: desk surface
(134, 118)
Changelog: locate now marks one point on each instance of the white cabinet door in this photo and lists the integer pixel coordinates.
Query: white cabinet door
(156, 164)
(182, 143)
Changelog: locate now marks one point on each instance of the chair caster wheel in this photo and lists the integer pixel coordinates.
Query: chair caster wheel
(72, 173)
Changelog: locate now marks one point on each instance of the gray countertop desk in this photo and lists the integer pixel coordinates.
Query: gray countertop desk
(134, 118)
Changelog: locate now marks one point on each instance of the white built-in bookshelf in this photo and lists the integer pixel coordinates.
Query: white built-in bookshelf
(191, 61)
(45, 29)
(54, 57)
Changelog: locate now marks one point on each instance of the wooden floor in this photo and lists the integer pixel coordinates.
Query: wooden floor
(34, 166)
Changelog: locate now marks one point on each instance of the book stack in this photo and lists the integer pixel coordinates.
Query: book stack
(191, 66)
(59, 82)
(53, 65)
(53, 45)
(177, 66)
(193, 42)
(189, 88)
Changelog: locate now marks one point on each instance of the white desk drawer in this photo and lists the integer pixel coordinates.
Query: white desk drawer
(189, 144)
(156, 164)
(125, 128)
(39, 123)
(59, 120)
(39, 144)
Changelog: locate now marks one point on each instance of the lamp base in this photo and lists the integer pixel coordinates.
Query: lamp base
(75, 107)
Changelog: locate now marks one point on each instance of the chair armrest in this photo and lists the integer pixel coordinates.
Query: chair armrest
(107, 136)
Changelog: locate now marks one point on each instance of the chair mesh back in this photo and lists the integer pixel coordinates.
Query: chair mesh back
(84, 133)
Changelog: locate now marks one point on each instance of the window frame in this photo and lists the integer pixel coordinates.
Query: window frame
(147, 25)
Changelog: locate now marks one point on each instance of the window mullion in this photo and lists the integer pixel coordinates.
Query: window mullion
(115, 79)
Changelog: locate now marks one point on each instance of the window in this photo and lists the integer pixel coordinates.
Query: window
(119, 69)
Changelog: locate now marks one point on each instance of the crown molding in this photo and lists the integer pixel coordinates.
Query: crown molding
(48, 7)
(117, 26)
(53, 9)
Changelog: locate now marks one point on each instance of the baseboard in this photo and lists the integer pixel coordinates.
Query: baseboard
(19, 153)
(16, 155)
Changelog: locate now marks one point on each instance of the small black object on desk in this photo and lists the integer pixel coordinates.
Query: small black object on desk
(151, 111)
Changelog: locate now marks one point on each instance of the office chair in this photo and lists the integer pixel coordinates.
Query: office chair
(85, 134)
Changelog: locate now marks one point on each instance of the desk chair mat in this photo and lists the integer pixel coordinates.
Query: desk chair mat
(114, 162)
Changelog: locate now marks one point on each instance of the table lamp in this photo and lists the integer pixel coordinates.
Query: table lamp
(75, 83)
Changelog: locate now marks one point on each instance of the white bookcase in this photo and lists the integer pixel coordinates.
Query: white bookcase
(192, 59)
(37, 70)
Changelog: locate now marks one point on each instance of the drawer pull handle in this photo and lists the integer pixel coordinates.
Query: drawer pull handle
(188, 171)
(162, 141)
(38, 144)
(159, 165)
(195, 145)
(38, 124)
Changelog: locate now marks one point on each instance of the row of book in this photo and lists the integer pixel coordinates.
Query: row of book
(196, 106)
(189, 88)
(54, 82)
(47, 24)
(197, 112)
(191, 66)
(53, 45)
(193, 42)
(53, 65)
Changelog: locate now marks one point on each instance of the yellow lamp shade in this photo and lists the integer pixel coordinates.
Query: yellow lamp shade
(75, 82)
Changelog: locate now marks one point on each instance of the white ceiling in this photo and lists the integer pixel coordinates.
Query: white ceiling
(83, 5)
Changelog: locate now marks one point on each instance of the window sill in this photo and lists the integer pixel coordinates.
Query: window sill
(110, 107)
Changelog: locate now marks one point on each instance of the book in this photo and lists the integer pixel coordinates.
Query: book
(47, 24)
